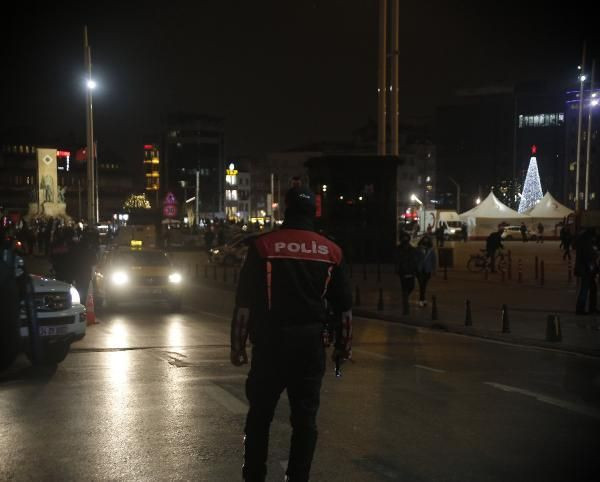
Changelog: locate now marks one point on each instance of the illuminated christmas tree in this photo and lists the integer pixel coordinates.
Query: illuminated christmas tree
(532, 187)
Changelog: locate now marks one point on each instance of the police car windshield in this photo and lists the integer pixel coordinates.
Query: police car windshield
(142, 258)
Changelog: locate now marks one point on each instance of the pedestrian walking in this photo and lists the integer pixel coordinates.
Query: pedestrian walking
(586, 270)
(540, 233)
(209, 237)
(406, 269)
(565, 242)
(465, 232)
(523, 230)
(426, 264)
(280, 305)
(439, 235)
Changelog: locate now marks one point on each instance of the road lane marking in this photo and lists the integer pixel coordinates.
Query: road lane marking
(573, 407)
(436, 370)
(226, 399)
(214, 315)
(376, 355)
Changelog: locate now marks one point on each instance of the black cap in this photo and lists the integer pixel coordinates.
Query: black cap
(300, 201)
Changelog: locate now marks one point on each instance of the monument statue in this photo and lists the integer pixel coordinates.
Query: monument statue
(61, 194)
(46, 186)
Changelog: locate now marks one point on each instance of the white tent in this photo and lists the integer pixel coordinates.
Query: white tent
(548, 207)
(550, 213)
(488, 214)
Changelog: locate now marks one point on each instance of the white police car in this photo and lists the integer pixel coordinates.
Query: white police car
(60, 314)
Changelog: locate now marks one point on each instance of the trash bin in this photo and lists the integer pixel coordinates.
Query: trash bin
(446, 257)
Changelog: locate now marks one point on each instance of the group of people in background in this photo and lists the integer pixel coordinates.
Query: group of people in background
(416, 264)
(71, 248)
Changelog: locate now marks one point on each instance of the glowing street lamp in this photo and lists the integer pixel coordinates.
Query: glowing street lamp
(92, 185)
(414, 198)
(593, 103)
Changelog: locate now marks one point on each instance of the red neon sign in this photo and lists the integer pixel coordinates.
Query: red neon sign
(148, 146)
(63, 153)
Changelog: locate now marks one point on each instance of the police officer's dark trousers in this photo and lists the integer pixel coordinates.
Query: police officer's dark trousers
(292, 359)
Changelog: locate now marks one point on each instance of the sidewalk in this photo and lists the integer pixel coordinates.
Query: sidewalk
(528, 302)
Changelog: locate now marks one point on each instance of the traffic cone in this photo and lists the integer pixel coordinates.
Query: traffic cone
(89, 306)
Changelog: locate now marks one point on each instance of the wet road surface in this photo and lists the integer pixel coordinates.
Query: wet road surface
(150, 395)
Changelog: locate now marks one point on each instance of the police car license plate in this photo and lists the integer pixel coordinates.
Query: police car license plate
(52, 330)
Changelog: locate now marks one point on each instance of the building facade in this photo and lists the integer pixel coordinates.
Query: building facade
(195, 143)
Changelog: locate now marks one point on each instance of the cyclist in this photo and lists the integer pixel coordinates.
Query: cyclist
(492, 244)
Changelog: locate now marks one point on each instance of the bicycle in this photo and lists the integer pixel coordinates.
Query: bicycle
(481, 261)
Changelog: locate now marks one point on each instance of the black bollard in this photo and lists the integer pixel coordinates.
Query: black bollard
(468, 317)
(536, 268)
(553, 331)
(520, 272)
(505, 322)
(542, 277)
(357, 297)
(434, 310)
(380, 301)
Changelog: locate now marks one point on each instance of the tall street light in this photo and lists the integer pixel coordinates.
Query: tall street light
(414, 198)
(457, 194)
(593, 103)
(578, 157)
(92, 208)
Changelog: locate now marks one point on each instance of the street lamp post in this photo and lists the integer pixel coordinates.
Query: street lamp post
(91, 171)
(414, 198)
(580, 115)
(593, 103)
(457, 194)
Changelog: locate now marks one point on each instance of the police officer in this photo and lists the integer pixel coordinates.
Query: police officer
(280, 304)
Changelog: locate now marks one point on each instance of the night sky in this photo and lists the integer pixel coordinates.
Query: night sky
(282, 73)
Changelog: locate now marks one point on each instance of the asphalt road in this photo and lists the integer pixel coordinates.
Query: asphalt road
(150, 395)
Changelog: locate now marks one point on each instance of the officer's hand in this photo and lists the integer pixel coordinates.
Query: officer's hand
(238, 357)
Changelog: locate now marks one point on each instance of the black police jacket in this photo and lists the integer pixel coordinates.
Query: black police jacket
(286, 277)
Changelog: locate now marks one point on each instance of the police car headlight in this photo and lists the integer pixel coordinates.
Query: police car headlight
(214, 251)
(175, 278)
(75, 299)
(119, 278)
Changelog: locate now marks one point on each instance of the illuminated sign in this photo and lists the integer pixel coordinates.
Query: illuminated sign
(232, 171)
(148, 146)
(63, 153)
(170, 206)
